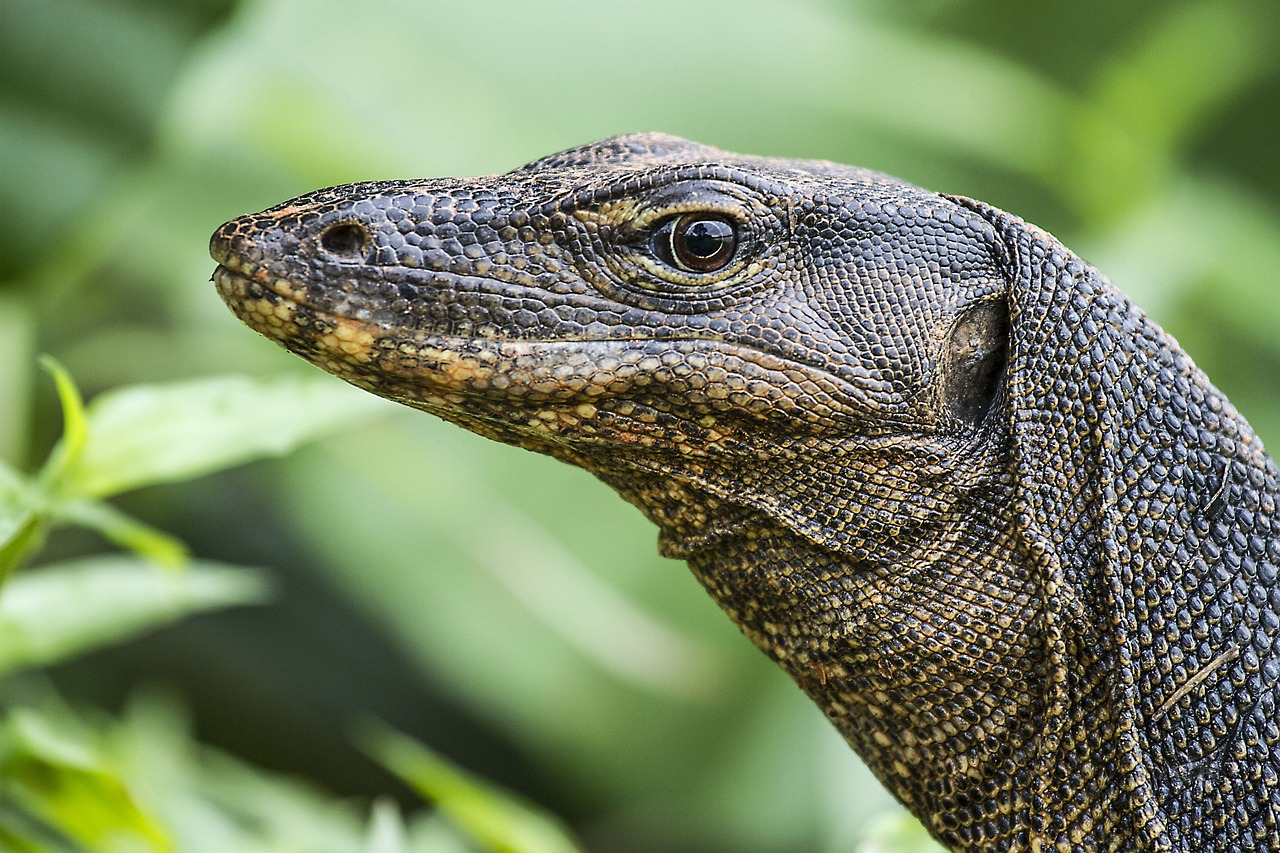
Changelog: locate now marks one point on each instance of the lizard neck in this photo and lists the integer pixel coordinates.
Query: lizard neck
(933, 663)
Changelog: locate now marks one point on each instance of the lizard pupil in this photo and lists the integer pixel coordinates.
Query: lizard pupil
(697, 242)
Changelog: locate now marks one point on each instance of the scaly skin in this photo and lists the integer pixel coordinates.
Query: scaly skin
(982, 509)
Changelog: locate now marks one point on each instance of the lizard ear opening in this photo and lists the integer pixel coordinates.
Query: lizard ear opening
(974, 359)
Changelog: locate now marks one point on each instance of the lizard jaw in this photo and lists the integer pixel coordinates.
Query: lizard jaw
(443, 370)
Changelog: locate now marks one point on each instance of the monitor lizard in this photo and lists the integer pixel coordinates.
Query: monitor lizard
(979, 506)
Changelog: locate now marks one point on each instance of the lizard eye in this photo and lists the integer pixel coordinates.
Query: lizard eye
(696, 242)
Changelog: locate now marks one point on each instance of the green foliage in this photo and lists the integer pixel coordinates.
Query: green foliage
(76, 783)
(64, 781)
(158, 434)
(142, 435)
(519, 593)
(496, 820)
(66, 608)
(141, 784)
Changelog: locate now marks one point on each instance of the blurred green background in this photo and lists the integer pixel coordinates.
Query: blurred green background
(509, 611)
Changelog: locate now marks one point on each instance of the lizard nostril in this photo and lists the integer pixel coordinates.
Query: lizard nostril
(346, 239)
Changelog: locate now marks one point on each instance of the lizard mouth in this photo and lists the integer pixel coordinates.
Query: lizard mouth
(437, 371)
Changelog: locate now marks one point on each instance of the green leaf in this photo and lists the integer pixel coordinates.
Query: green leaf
(126, 531)
(22, 520)
(21, 534)
(146, 434)
(12, 483)
(495, 819)
(386, 829)
(75, 429)
(65, 781)
(66, 609)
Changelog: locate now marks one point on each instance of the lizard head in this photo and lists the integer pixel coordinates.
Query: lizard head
(654, 309)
